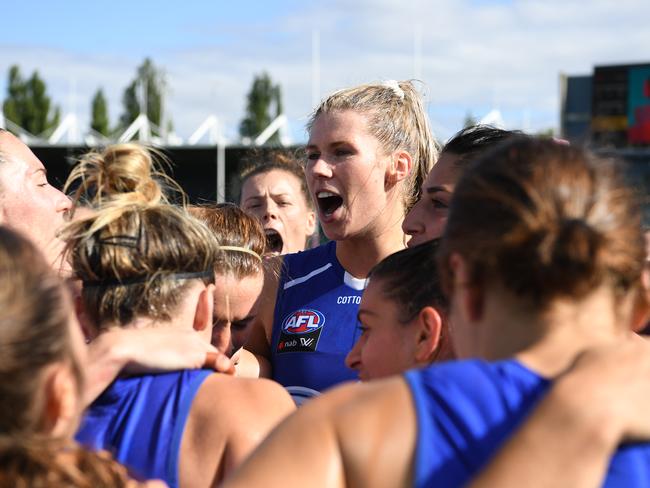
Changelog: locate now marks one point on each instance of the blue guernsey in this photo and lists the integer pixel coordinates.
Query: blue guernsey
(141, 421)
(315, 320)
(467, 409)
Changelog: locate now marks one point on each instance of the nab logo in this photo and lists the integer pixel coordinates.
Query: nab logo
(303, 322)
(301, 331)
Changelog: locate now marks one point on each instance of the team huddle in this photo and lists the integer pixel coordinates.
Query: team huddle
(471, 319)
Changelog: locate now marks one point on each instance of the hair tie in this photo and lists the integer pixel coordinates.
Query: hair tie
(143, 279)
(394, 85)
(241, 249)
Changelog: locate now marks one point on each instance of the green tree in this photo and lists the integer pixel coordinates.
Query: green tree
(149, 82)
(99, 121)
(261, 99)
(15, 103)
(28, 104)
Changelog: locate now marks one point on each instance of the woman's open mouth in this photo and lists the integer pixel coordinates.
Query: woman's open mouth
(328, 202)
(274, 242)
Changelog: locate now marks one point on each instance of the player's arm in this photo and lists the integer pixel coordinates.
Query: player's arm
(134, 351)
(229, 417)
(339, 439)
(570, 438)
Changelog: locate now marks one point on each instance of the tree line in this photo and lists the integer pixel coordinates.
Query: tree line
(28, 105)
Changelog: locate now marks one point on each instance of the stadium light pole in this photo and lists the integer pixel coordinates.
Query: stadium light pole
(417, 52)
(315, 67)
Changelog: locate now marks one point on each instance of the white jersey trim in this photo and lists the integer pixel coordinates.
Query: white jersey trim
(355, 283)
(309, 276)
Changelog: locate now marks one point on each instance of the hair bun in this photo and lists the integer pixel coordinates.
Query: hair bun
(128, 168)
(576, 244)
(122, 173)
(570, 257)
(563, 257)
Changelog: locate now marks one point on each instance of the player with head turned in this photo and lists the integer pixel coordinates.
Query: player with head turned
(402, 315)
(33, 207)
(427, 219)
(42, 377)
(133, 257)
(239, 273)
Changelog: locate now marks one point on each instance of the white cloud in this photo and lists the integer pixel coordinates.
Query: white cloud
(474, 56)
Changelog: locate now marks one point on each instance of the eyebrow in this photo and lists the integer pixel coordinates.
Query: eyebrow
(258, 197)
(435, 189)
(40, 170)
(245, 319)
(331, 144)
(365, 311)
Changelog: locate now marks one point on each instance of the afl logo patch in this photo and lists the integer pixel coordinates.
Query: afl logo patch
(301, 331)
(303, 322)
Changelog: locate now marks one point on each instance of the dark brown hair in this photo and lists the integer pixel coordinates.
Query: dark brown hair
(470, 142)
(547, 220)
(410, 278)
(34, 333)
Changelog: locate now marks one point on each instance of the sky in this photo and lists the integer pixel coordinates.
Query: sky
(471, 56)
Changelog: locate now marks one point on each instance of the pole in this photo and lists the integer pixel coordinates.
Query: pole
(221, 169)
(315, 68)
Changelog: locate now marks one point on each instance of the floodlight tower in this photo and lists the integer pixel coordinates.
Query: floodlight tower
(315, 67)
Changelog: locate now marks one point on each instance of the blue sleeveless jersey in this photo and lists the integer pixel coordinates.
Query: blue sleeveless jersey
(467, 409)
(315, 320)
(141, 421)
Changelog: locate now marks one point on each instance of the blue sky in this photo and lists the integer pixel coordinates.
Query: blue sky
(475, 55)
(135, 27)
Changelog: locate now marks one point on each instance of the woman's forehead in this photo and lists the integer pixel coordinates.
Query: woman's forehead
(338, 126)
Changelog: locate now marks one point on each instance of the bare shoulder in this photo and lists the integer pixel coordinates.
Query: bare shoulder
(377, 430)
(356, 435)
(229, 417)
(236, 397)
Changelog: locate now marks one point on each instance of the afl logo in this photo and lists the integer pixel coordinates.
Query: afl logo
(303, 322)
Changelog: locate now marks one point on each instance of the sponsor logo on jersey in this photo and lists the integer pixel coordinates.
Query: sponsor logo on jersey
(303, 321)
(348, 300)
(300, 331)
